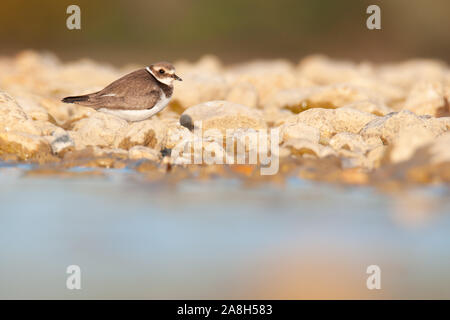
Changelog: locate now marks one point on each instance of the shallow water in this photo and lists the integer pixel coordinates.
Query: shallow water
(218, 239)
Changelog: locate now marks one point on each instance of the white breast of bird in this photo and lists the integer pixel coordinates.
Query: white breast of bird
(139, 115)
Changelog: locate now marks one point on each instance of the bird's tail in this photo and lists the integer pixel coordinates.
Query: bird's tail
(76, 99)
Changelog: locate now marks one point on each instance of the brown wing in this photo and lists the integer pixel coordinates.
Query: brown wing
(135, 91)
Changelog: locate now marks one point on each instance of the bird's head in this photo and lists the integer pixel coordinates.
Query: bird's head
(164, 72)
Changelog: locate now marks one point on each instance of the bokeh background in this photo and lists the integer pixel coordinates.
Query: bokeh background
(140, 31)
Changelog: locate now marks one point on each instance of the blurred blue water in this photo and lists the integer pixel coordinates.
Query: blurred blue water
(218, 239)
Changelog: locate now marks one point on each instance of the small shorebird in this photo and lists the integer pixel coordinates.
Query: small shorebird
(136, 96)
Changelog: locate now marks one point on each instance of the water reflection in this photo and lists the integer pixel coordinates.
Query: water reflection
(217, 239)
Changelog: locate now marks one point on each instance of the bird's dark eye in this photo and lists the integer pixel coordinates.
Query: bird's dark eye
(161, 71)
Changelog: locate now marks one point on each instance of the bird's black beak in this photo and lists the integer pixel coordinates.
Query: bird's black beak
(177, 77)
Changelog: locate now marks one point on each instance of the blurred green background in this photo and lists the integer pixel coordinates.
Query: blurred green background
(140, 31)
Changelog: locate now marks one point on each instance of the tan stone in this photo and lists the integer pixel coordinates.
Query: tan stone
(13, 118)
(25, 146)
(277, 117)
(370, 161)
(425, 98)
(322, 70)
(100, 129)
(308, 148)
(206, 64)
(289, 98)
(408, 141)
(65, 114)
(199, 87)
(349, 142)
(299, 130)
(388, 127)
(375, 157)
(141, 152)
(223, 115)
(440, 149)
(444, 122)
(378, 109)
(330, 97)
(267, 77)
(149, 133)
(177, 134)
(340, 94)
(32, 108)
(406, 74)
(332, 121)
(243, 93)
